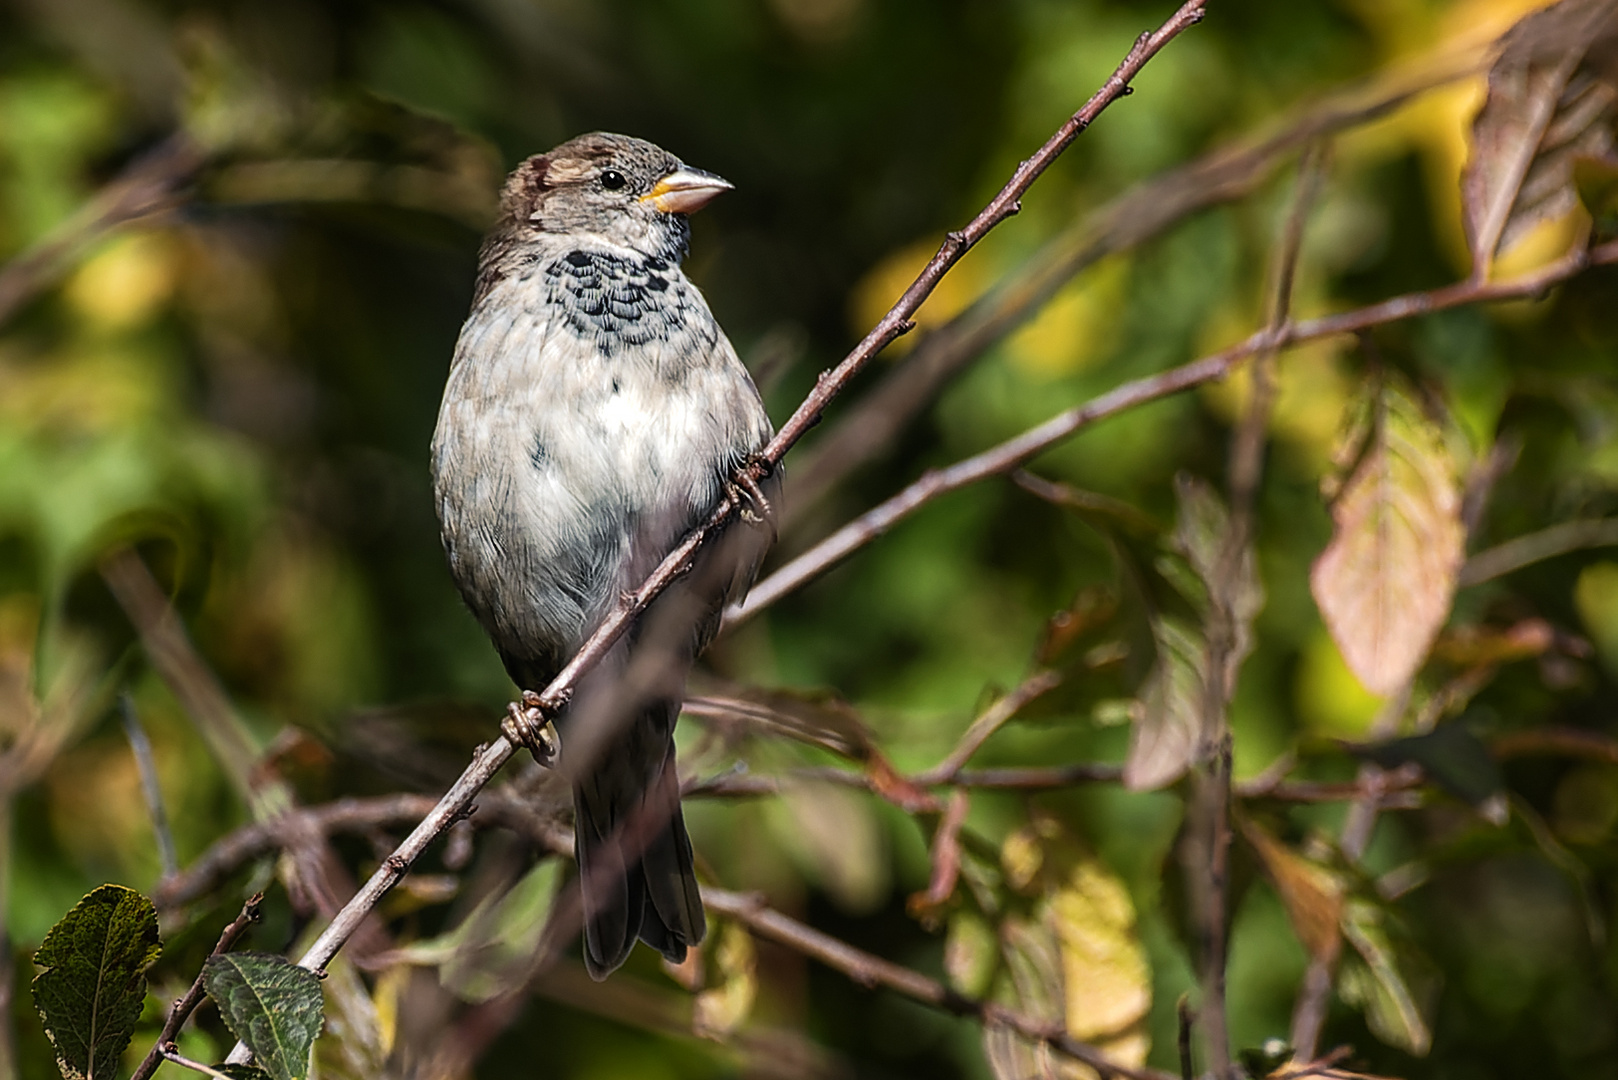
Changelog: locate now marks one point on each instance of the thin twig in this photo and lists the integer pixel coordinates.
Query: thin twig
(176, 661)
(171, 1053)
(896, 322)
(1017, 451)
(871, 971)
(183, 1008)
(1521, 551)
(150, 787)
(991, 721)
(868, 427)
(1228, 640)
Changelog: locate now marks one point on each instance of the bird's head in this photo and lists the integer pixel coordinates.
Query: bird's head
(626, 191)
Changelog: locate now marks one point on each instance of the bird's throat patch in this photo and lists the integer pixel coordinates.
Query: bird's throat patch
(618, 301)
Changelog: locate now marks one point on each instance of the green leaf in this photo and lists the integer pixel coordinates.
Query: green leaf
(270, 1004)
(1392, 982)
(1456, 760)
(243, 1072)
(90, 994)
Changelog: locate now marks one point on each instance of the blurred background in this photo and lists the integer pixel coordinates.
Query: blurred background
(241, 384)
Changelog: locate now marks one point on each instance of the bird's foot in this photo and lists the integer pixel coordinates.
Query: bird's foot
(742, 487)
(530, 723)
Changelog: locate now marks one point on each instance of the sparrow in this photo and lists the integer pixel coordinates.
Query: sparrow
(594, 413)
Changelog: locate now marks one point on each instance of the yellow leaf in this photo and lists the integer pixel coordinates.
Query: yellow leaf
(720, 1010)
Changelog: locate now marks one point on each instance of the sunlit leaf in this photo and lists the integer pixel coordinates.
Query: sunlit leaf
(1386, 579)
(1078, 960)
(971, 953)
(93, 985)
(722, 1008)
(1545, 108)
(1394, 985)
(271, 1005)
(1106, 980)
(1311, 893)
(1169, 712)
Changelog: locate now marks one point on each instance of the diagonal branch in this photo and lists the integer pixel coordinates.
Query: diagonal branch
(1017, 451)
(868, 428)
(490, 758)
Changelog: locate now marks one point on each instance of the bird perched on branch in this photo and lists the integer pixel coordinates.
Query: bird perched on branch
(594, 414)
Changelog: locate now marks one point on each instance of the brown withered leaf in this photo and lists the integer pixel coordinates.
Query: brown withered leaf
(1385, 581)
(1311, 893)
(1551, 98)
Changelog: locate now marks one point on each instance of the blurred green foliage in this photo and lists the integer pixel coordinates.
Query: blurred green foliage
(244, 388)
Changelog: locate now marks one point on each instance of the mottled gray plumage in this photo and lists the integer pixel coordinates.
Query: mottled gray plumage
(593, 415)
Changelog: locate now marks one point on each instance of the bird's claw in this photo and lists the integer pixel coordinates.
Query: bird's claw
(753, 504)
(529, 723)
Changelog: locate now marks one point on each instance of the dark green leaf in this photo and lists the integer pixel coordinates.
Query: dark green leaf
(91, 991)
(271, 1005)
(1452, 756)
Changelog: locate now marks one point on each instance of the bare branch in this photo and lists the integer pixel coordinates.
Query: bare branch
(895, 322)
(867, 428)
(870, 971)
(1017, 451)
(992, 719)
(184, 1007)
(1514, 554)
(141, 747)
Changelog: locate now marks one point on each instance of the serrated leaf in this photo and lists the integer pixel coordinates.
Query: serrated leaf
(1385, 581)
(1311, 893)
(1546, 106)
(722, 1008)
(1395, 986)
(90, 994)
(242, 1072)
(1168, 715)
(271, 1005)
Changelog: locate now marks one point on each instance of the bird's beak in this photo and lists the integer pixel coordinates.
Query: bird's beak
(686, 190)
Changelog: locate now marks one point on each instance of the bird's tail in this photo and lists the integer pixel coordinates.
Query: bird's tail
(635, 868)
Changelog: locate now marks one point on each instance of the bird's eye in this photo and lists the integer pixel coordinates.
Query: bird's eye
(612, 180)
